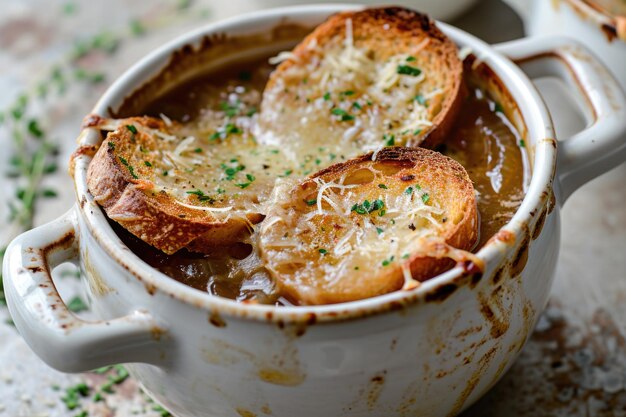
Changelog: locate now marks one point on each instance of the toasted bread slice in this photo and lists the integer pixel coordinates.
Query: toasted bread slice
(169, 189)
(364, 228)
(363, 80)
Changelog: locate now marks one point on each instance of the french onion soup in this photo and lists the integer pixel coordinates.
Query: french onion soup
(310, 189)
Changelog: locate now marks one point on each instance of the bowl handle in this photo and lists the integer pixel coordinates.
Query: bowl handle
(599, 147)
(57, 336)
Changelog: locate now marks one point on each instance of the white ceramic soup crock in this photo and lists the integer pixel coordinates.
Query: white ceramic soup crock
(431, 351)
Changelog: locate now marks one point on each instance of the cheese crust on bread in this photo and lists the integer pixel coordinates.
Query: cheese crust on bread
(364, 80)
(364, 228)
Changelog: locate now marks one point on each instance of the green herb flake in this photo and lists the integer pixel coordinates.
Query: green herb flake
(420, 99)
(231, 110)
(367, 207)
(132, 129)
(522, 144)
(379, 230)
(408, 191)
(383, 186)
(408, 70)
(356, 106)
(410, 59)
(49, 193)
(137, 28)
(345, 117)
(311, 202)
(130, 168)
(198, 150)
(202, 196)
(111, 145)
(326, 96)
(425, 197)
(161, 410)
(498, 108)
(76, 305)
(386, 262)
(34, 129)
(322, 251)
(405, 256)
(389, 140)
(147, 163)
(69, 8)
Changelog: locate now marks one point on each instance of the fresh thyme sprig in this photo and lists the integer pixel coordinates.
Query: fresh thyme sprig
(33, 154)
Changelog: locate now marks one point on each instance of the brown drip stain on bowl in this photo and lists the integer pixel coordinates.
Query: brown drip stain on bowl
(216, 320)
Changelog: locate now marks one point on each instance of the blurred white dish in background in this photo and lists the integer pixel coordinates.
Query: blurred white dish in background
(437, 9)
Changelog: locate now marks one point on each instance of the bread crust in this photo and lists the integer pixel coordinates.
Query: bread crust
(130, 198)
(446, 179)
(389, 31)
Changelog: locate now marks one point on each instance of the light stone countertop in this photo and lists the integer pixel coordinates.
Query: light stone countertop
(575, 362)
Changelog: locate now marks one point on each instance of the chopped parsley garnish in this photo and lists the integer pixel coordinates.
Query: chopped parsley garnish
(223, 132)
(417, 131)
(323, 251)
(367, 207)
(202, 196)
(332, 156)
(498, 108)
(147, 163)
(231, 109)
(383, 186)
(386, 262)
(327, 96)
(425, 197)
(405, 256)
(379, 230)
(111, 145)
(356, 106)
(288, 172)
(232, 171)
(420, 99)
(522, 144)
(389, 140)
(198, 150)
(345, 117)
(165, 173)
(220, 191)
(250, 178)
(311, 202)
(132, 129)
(408, 70)
(408, 191)
(130, 168)
(410, 59)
